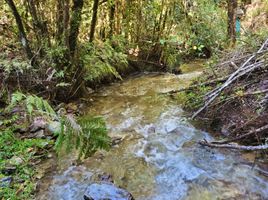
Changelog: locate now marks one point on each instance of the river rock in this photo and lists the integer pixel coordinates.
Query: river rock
(106, 191)
(8, 170)
(54, 127)
(38, 123)
(15, 160)
(5, 182)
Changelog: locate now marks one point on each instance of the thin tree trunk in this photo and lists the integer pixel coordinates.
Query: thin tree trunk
(66, 19)
(94, 20)
(232, 6)
(40, 27)
(74, 25)
(112, 24)
(22, 34)
(117, 17)
(60, 19)
(126, 18)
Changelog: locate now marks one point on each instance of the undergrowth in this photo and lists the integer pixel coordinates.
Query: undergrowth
(18, 154)
(17, 170)
(102, 61)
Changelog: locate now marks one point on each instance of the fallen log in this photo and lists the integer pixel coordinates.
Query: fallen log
(234, 146)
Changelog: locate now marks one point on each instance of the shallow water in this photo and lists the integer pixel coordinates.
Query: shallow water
(158, 158)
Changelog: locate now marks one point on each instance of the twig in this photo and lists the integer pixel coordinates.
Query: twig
(235, 146)
(244, 135)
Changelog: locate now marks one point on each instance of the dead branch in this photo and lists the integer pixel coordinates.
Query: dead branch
(244, 95)
(256, 92)
(234, 146)
(239, 59)
(256, 131)
(245, 68)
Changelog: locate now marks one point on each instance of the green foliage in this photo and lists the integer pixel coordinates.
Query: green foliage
(12, 148)
(102, 61)
(204, 27)
(192, 99)
(87, 135)
(56, 55)
(90, 133)
(14, 65)
(31, 103)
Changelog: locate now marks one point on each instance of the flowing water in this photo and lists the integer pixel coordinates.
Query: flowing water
(158, 158)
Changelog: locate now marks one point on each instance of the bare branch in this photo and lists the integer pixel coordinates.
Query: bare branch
(235, 146)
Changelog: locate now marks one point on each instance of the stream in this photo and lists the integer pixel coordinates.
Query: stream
(158, 157)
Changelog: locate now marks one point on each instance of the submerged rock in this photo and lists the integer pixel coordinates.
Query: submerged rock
(106, 191)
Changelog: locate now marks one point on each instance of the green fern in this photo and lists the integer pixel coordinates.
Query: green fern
(86, 135)
(32, 103)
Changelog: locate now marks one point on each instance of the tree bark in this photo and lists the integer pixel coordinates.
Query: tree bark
(232, 6)
(94, 20)
(23, 38)
(60, 19)
(112, 24)
(39, 25)
(74, 25)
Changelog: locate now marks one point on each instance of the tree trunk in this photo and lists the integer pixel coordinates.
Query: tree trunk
(66, 19)
(232, 5)
(117, 17)
(39, 25)
(74, 25)
(94, 20)
(22, 34)
(60, 19)
(126, 19)
(112, 24)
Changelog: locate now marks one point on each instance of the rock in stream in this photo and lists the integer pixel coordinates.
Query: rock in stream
(106, 191)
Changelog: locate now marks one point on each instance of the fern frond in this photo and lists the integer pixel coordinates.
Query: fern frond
(87, 134)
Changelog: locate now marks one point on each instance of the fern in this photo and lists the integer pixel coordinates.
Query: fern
(15, 99)
(31, 103)
(86, 135)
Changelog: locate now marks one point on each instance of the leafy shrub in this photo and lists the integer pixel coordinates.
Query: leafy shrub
(207, 30)
(102, 61)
